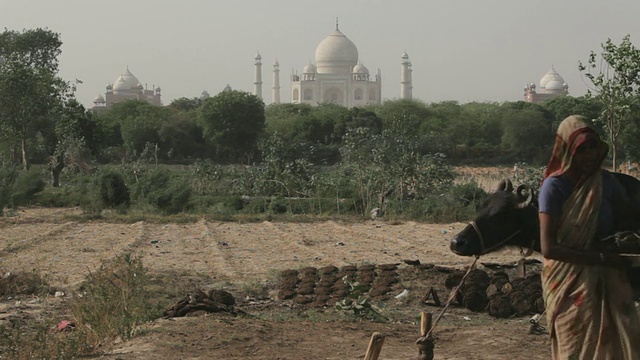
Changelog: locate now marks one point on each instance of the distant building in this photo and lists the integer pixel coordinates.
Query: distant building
(127, 87)
(338, 76)
(551, 85)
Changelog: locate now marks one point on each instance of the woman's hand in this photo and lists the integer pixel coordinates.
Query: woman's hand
(613, 259)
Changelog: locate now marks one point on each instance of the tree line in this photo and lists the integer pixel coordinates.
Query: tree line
(42, 122)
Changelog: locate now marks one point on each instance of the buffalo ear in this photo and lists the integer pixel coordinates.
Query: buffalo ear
(505, 185)
(525, 196)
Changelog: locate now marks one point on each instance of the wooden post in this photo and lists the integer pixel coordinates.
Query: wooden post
(425, 323)
(522, 268)
(425, 343)
(375, 346)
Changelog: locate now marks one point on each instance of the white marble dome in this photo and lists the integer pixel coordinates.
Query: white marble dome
(360, 69)
(336, 54)
(554, 85)
(309, 69)
(126, 82)
(552, 80)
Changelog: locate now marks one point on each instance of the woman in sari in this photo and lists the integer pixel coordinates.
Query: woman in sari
(590, 309)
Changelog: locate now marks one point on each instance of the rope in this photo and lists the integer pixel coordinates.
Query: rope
(483, 250)
(451, 297)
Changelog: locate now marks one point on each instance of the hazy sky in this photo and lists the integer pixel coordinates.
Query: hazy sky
(464, 50)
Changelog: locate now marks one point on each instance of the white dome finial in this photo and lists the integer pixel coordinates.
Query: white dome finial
(337, 23)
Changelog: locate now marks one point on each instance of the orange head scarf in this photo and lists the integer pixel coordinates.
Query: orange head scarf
(572, 132)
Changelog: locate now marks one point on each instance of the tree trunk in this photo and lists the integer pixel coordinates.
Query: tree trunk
(25, 162)
(614, 155)
(56, 170)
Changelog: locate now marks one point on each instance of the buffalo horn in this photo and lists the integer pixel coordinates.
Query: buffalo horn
(505, 185)
(520, 191)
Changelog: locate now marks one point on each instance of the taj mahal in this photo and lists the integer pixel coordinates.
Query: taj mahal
(337, 76)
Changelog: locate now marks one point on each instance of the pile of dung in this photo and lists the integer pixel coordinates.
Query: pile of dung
(500, 296)
(200, 302)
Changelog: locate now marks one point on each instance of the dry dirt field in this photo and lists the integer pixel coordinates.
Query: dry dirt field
(238, 257)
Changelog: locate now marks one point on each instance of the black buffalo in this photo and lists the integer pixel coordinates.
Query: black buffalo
(510, 218)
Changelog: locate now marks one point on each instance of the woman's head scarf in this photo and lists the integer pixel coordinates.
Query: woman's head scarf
(572, 132)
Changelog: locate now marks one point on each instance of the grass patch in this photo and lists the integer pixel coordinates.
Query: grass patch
(115, 299)
(24, 283)
(113, 303)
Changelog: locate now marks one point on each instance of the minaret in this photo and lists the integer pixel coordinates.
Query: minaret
(405, 78)
(276, 82)
(257, 83)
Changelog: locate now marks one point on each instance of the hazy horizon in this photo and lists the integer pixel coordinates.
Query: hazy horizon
(462, 50)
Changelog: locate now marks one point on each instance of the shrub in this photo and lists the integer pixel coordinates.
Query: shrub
(174, 199)
(113, 190)
(23, 283)
(114, 302)
(221, 205)
(150, 183)
(67, 196)
(115, 299)
(168, 195)
(441, 208)
(468, 194)
(36, 340)
(7, 178)
(25, 186)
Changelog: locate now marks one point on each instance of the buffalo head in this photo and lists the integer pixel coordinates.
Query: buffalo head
(506, 218)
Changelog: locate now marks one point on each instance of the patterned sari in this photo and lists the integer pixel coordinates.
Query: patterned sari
(590, 309)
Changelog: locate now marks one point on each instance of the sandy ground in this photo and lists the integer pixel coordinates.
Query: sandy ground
(238, 255)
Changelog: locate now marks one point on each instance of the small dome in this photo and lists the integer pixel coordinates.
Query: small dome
(360, 69)
(158, 89)
(98, 99)
(336, 51)
(309, 69)
(109, 87)
(258, 56)
(405, 55)
(551, 77)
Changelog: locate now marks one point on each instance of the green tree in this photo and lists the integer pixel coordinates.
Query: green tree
(437, 131)
(484, 142)
(564, 106)
(630, 134)
(395, 109)
(282, 118)
(186, 104)
(181, 136)
(378, 165)
(614, 76)
(233, 121)
(139, 124)
(30, 89)
(526, 135)
(74, 129)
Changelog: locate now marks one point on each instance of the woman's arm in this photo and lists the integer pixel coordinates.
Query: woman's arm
(549, 226)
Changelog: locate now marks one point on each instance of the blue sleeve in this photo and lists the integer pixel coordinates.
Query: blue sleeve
(551, 197)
